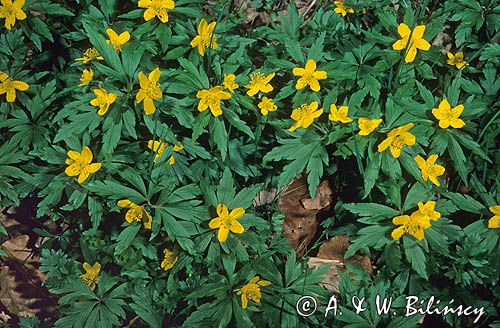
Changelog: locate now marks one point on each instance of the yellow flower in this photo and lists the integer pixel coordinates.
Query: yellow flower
(9, 86)
(229, 82)
(427, 210)
(259, 82)
(305, 115)
(102, 100)
(494, 222)
(80, 164)
(413, 225)
(136, 213)
(169, 259)
(156, 8)
(226, 222)
(87, 76)
(367, 126)
(91, 275)
(205, 37)
(89, 55)
(430, 170)
(457, 60)
(12, 11)
(150, 89)
(340, 115)
(212, 98)
(341, 9)
(449, 116)
(417, 41)
(251, 291)
(309, 76)
(158, 147)
(267, 105)
(117, 40)
(396, 139)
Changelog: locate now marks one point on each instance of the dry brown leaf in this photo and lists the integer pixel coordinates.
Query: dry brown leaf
(331, 279)
(21, 290)
(332, 252)
(303, 214)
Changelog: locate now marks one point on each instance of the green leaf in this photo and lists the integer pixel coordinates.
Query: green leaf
(225, 190)
(458, 158)
(465, 202)
(246, 196)
(126, 237)
(219, 136)
(415, 256)
(370, 236)
(371, 173)
(238, 123)
(114, 190)
(373, 210)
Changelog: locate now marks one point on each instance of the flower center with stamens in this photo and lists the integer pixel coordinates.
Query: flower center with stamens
(257, 78)
(153, 90)
(398, 142)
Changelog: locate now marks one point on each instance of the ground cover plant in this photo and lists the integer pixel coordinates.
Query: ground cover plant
(145, 132)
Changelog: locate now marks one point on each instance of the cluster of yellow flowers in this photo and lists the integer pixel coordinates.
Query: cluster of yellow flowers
(417, 222)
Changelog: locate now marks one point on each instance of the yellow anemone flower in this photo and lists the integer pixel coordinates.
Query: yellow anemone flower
(367, 125)
(430, 170)
(305, 115)
(339, 115)
(341, 8)
(427, 210)
(251, 291)
(169, 259)
(136, 213)
(226, 222)
(89, 55)
(156, 8)
(396, 139)
(102, 100)
(81, 164)
(229, 83)
(117, 40)
(413, 225)
(150, 89)
(205, 37)
(158, 147)
(259, 82)
(267, 105)
(212, 98)
(12, 11)
(91, 275)
(87, 75)
(449, 116)
(457, 60)
(417, 41)
(9, 86)
(309, 76)
(494, 222)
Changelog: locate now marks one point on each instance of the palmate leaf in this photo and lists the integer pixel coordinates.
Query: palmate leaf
(88, 309)
(306, 153)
